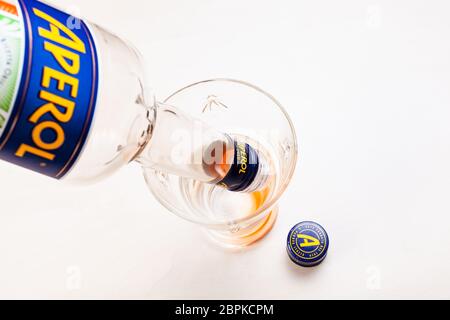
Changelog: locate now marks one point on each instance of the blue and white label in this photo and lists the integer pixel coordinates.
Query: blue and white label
(51, 84)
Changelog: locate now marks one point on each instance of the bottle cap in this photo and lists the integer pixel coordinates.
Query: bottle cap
(307, 244)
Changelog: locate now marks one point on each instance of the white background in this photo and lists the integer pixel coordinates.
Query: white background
(367, 85)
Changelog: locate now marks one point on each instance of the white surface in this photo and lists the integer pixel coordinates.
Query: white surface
(367, 85)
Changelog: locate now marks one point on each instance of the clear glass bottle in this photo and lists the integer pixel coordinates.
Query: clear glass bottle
(127, 124)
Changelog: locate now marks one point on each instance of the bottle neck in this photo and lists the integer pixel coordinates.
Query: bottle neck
(178, 144)
(175, 143)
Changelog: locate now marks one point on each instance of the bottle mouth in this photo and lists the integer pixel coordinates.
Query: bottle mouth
(243, 172)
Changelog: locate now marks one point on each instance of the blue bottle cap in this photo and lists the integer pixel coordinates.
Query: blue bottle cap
(307, 244)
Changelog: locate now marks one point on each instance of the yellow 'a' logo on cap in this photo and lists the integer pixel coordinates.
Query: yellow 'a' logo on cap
(308, 241)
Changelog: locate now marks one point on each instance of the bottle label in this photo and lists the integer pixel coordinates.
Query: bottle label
(244, 169)
(48, 86)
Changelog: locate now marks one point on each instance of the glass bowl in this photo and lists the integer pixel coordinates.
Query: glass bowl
(248, 114)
